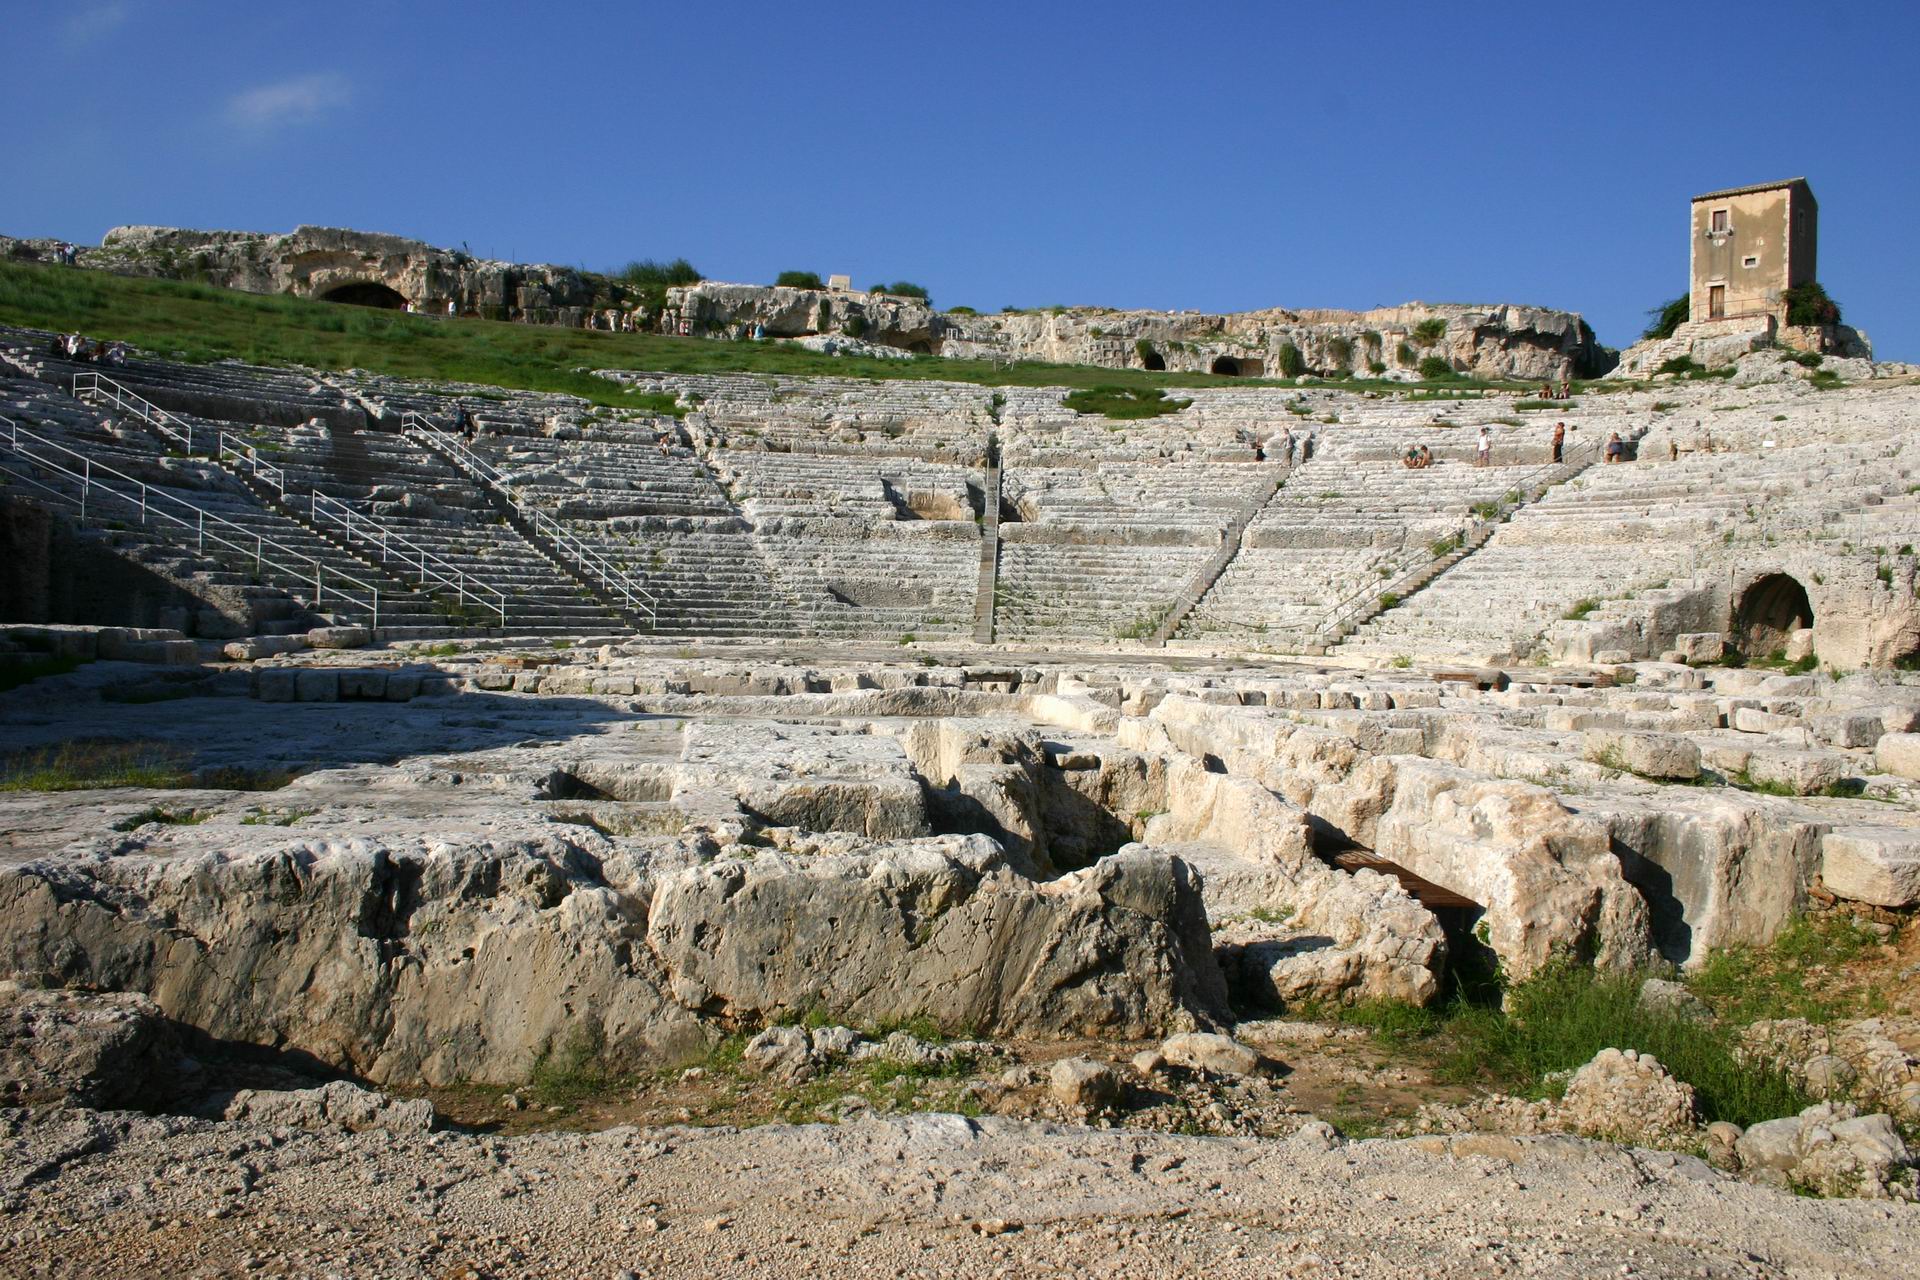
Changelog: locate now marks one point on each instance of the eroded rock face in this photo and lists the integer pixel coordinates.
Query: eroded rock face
(444, 960)
(319, 261)
(941, 928)
(1547, 877)
(100, 1049)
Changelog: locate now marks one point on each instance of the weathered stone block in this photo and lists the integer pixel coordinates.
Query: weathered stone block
(1651, 755)
(1754, 720)
(1880, 865)
(339, 637)
(1805, 773)
(1899, 754)
(363, 684)
(1701, 646)
(1082, 1082)
(1847, 728)
(402, 686)
(277, 684)
(317, 686)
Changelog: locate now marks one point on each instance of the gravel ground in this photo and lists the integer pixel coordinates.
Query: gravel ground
(92, 1194)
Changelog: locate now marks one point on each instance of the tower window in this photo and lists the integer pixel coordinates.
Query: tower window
(1719, 221)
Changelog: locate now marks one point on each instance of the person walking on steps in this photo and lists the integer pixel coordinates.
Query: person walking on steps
(1483, 449)
(1559, 439)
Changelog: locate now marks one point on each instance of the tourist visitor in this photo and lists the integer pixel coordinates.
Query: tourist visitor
(1615, 450)
(1559, 439)
(1308, 446)
(1483, 449)
(1289, 444)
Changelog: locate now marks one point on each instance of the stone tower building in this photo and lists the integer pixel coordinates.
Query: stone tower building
(1750, 245)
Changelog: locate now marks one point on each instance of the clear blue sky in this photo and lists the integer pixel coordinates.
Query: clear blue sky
(1218, 157)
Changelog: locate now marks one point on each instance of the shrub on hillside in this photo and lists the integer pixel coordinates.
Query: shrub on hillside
(1428, 332)
(904, 289)
(1292, 363)
(1435, 369)
(1340, 351)
(1809, 304)
(800, 280)
(643, 272)
(1405, 354)
(1667, 317)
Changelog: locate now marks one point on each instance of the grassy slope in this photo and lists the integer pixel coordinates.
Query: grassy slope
(199, 323)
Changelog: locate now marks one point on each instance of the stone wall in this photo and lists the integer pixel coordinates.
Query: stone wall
(313, 262)
(1492, 341)
(1526, 343)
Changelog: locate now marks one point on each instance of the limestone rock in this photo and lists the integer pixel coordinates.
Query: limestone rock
(1899, 754)
(97, 1049)
(1878, 865)
(1804, 773)
(1832, 1149)
(1651, 755)
(1672, 997)
(1629, 1096)
(1121, 946)
(785, 1053)
(1084, 1083)
(1210, 1052)
(337, 1105)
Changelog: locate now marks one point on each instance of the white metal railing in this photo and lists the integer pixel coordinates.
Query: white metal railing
(404, 551)
(588, 560)
(158, 505)
(249, 458)
(88, 383)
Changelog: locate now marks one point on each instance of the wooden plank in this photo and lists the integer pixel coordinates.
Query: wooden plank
(1430, 895)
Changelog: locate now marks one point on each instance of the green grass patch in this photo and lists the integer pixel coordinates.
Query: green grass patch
(1124, 403)
(164, 816)
(1786, 979)
(87, 764)
(1559, 1019)
(200, 324)
(1581, 609)
(571, 1071)
(15, 674)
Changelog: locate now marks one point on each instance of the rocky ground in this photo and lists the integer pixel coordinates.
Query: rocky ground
(676, 965)
(93, 1194)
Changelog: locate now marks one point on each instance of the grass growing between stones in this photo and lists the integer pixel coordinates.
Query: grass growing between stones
(1801, 974)
(85, 765)
(15, 674)
(1556, 1021)
(93, 764)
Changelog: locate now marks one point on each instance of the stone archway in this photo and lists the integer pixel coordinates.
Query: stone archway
(366, 293)
(1225, 366)
(1153, 361)
(1772, 608)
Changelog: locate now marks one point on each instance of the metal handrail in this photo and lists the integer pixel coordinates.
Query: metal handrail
(425, 565)
(87, 382)
(249, 456)
(592, 562)
(151, 505)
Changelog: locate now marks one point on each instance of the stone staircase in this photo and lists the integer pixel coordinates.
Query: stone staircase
(1208, 573)
(983, 590)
